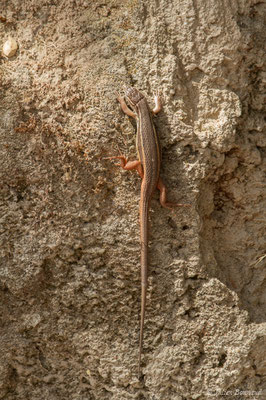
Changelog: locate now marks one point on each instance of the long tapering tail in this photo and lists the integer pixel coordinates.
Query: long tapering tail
(144, 211)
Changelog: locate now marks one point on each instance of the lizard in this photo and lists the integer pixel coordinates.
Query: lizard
(148, 167)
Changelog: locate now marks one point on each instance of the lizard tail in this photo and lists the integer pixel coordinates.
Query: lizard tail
(142, 316)
(144, 273)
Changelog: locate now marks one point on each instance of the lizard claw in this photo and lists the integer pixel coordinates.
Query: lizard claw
(158, 102)
(119, 96)
(158, 96)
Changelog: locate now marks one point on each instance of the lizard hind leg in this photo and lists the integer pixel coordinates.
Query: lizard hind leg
(163, 197)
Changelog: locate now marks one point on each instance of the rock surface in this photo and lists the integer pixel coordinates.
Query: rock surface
(69, 266)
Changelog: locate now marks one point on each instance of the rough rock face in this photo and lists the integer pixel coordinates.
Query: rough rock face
(69, 269)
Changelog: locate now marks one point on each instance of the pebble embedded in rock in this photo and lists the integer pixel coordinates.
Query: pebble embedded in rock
(10, 47)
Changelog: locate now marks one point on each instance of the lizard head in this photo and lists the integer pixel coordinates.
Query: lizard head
(133, 96)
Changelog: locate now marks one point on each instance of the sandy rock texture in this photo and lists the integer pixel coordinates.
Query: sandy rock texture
(69, 266)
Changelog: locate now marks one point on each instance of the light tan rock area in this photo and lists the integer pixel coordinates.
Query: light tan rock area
(69, 218)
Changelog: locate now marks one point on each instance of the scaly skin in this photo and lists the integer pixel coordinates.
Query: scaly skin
(148, 167)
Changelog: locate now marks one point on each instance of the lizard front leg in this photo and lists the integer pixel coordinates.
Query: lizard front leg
(125, 108)
(158, 103)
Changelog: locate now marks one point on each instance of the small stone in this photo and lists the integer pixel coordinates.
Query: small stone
(10, 47)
